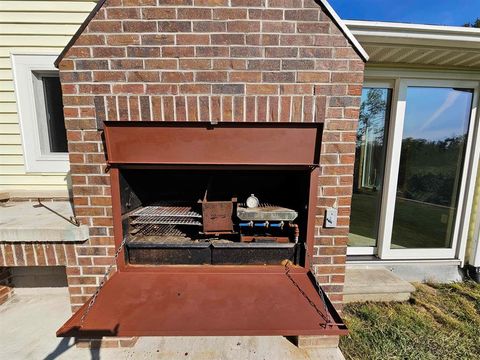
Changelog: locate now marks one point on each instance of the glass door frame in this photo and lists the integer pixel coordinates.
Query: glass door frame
(394, 145)
(380, 84)
(399, 80)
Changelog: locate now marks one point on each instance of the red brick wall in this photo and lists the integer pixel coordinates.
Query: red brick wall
(37, 254)
(49, 254)
(6, 289)
(211, 60)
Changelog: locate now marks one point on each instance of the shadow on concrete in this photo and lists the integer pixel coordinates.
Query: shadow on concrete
(95, 354)
(64, 345)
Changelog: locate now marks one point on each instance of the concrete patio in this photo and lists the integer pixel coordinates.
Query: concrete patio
(30, 319)
(375, 284)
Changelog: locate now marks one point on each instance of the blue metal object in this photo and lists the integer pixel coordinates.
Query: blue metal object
(276, 225)
(265, 224)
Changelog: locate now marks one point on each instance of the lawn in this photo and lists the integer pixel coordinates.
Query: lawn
(439, 322)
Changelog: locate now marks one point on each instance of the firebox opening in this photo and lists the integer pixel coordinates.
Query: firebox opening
(243, 216)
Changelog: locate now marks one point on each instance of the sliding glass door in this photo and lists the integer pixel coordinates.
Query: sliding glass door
(409, 186)
(432, 154)
(369, 167)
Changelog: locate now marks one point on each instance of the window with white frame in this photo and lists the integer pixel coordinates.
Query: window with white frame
(417, 146)
(40, 110)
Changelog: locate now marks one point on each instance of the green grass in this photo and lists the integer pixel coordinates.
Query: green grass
(417, 225)
(363, 218)
(439, 322)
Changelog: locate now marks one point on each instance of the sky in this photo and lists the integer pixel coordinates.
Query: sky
(433, 12)
(432, 113)
(436, 113)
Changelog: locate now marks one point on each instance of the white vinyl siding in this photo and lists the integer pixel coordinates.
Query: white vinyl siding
(30, 27)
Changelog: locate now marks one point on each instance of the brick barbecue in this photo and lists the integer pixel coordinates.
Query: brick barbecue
(209, 61)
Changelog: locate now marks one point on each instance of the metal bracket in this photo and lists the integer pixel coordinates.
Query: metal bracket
(72, 220)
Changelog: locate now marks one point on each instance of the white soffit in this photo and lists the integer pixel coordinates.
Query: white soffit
(416, 44)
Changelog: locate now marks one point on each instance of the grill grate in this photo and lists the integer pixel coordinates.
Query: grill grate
(170, 209)
(166, 220)
(159, 230)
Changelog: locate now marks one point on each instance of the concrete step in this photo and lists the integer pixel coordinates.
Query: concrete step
(375, 284)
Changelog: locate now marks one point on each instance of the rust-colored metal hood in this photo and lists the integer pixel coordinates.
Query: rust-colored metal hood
(202, 143)
(190, 301)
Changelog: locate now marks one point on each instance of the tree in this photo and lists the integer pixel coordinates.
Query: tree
(371, 108)
(475, 24)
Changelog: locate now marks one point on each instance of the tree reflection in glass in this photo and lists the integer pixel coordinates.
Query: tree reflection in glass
(369, 166)
(431, 162)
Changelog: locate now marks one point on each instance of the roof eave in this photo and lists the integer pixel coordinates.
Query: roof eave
(345, 30)
(417, 44)
(415, 34)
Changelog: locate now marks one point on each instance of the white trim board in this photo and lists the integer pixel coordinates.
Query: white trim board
(346, 31)
(380, 262)
(382, 73)
(415, 34)
(473, 253)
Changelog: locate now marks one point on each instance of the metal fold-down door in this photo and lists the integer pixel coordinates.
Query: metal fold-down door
(270, 301)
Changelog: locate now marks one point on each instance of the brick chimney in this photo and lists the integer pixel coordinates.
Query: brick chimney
(218, 61)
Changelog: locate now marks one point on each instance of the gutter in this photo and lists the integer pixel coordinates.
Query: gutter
(415, 34)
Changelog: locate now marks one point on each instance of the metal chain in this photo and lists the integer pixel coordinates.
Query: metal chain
(325, 316)
(312, 304)
(104, 280)
(320, 291)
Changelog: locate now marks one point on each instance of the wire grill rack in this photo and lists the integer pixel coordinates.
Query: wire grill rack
(170, 209)
(162, 219)
(166, 220)
(159, 230)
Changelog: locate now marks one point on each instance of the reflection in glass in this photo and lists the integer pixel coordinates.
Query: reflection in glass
(57, 134)
(369, 166)
(431, 161)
